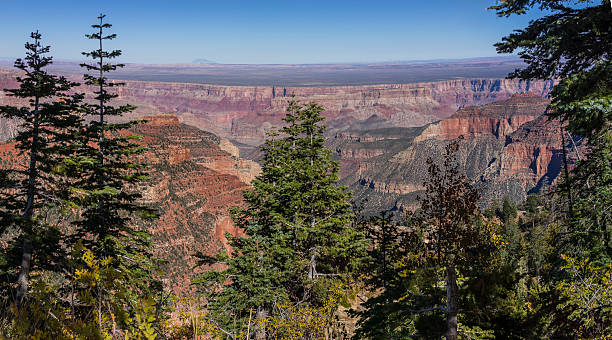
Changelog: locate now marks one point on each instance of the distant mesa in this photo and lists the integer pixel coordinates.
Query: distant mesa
(204, 61)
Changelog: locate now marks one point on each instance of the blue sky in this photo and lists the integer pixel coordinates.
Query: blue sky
(263, 32)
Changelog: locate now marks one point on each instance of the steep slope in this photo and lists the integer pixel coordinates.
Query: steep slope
(507, 148)
(8, 128)
(193, 183)
(245, 113)
(531, 160)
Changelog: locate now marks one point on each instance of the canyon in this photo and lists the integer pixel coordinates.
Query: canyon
(202, 154)
(507, 148)
(381, 133)
(194, 180)
(243, 114)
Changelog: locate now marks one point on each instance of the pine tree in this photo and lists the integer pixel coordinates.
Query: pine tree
(450, 205)
(384, 234)
(107, 171)
(573, 43)
(106, 177)
(592, 215)
(386, 314)
(297, 222)
(48, 123)
(436, 258)
(457, 238)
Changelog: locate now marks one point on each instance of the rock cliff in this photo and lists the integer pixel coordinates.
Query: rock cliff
(193, 182)
(508, 148)
(244, 113)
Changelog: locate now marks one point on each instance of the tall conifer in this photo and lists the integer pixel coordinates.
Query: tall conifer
(107, 174)
(573, 43)
(48, 123)
(298, 226)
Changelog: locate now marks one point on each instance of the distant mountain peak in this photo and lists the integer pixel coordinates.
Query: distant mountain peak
(204, 61)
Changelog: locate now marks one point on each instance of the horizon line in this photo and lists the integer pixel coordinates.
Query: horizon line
(214, 63)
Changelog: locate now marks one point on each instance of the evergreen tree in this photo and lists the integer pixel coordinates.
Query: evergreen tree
(592, 183)
(441, 266)
(107, 174)
(509, 211)
(574, 44)
(384, 235)
(387, 314)
(297, 221)
(106, 169)
(47, 124)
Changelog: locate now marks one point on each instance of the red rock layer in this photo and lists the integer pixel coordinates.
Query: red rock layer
(244, 113)
(493, 120)
(193, 183)
(508, 148)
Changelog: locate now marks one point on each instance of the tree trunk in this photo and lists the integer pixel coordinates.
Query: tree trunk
(24, 273)
(28, 212)
(312, 268)
(568, 187)
(261, 316)
(452, 292)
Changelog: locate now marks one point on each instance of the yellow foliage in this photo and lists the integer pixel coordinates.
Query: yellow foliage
(588, 293)
(288, 321)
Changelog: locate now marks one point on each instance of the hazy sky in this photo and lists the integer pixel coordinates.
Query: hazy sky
(259, 31)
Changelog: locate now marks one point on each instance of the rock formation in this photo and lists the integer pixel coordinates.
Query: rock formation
(193, 184)
(508, 148)
(244, 113)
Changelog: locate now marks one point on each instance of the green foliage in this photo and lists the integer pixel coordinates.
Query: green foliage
(570, 40)
(82, 267)
(47, 124)
(571, 44)
(105, 177)
(297, 221)
(97, 307)
(591, 185)
(588, 295)
(446, 242)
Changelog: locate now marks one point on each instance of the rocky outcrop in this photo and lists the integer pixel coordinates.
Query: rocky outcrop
(507, 148)
(193, 183)
(8, 128)
(530, 161)
(245, 113)
(495, 120)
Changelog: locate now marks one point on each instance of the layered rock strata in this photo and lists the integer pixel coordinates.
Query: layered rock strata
(507, 148)
(194, 182)
(245, 113)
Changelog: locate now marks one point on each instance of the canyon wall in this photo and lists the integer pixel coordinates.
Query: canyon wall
(382, 133)
(506, 148)
(244, 113)
(193, 182)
